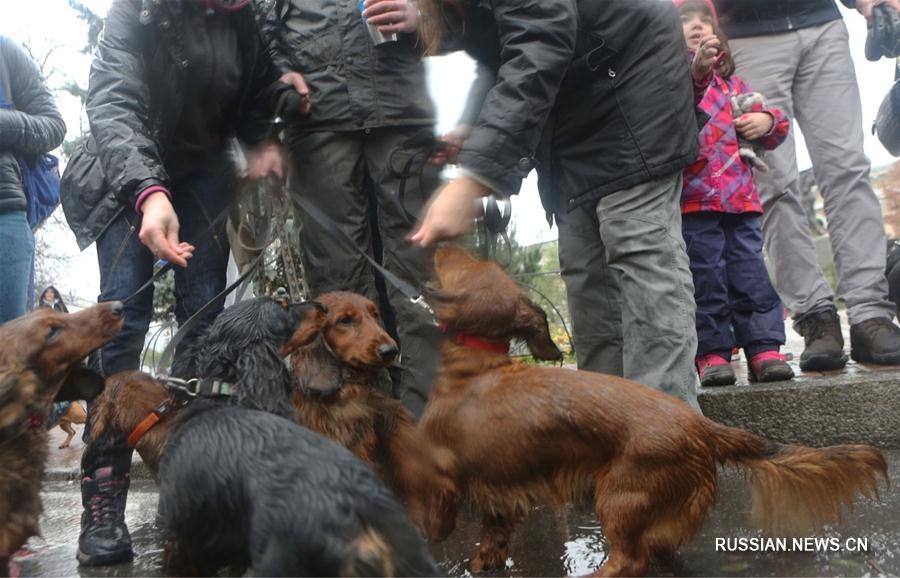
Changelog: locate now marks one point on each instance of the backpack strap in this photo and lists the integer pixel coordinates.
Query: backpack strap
(4, 76)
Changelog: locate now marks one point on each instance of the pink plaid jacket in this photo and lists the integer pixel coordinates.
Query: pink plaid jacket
(720, 180)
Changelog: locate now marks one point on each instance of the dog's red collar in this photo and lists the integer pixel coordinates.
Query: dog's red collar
(473, 341)
(35, 421)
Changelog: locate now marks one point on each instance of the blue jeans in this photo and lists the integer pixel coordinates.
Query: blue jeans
(736, 303)
(16, 259)
(125, 264)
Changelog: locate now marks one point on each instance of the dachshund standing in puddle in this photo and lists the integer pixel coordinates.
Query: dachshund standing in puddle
(517, 435)
(39, 363)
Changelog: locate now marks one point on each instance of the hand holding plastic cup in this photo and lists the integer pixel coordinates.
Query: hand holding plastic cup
(374, 33)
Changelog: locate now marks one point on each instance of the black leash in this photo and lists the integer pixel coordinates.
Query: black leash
(162, 366)
(407, 289)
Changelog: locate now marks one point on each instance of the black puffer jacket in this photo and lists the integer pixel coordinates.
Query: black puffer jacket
(134, 105)
(35, 126)
(353, 84)
(742, 18)
(624, 111)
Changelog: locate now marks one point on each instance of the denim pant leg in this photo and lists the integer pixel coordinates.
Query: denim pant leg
(198, 199)
(125, 265)
(15, 263)
(756, 310)
(705, 241)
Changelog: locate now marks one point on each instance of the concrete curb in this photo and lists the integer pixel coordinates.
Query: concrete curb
(818, 411)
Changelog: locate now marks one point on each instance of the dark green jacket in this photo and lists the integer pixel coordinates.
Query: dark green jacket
(353, 84)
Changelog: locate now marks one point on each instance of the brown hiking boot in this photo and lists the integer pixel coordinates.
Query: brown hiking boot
(823, 344)
(875, 341)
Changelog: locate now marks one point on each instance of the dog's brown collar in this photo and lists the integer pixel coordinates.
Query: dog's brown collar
(474, 341)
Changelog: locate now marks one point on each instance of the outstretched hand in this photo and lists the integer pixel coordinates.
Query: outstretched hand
(451, 212)
(159, 230)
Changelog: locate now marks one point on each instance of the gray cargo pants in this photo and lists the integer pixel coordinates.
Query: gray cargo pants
(808, 73)
(331, 168)
(629, 286)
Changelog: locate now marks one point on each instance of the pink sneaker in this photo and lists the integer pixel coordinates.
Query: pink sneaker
(769, 366)
(714, 370)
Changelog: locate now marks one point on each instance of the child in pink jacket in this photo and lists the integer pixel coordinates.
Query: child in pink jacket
(736, 303)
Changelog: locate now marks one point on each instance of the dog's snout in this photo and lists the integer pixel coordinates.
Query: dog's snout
(117, 308)
(388, 351)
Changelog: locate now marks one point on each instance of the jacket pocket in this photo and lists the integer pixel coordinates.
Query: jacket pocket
(318, 52)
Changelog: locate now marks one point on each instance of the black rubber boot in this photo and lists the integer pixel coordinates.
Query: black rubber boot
(104, 538)
(823, 343)
(875, 341)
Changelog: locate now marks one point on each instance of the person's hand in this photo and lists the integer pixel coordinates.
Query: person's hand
(705, 57)
(296, 80)
(753, 125)
(865, 7)
(451, 212)
(450, 144)
(392, 15)
(159, 230)
(264, 160)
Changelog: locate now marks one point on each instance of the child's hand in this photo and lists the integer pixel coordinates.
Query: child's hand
(753, 125)
(705, 57)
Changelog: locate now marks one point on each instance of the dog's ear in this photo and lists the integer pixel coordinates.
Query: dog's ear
(316, 368)
(81, 383)
(531, 325)
(313, 316)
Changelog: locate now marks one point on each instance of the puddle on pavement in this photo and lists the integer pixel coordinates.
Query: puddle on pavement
(547, 543)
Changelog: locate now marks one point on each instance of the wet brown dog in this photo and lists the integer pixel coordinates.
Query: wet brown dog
(519, 435)
(39, 363)
(338, 397)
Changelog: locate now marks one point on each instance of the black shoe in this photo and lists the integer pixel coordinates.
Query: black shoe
(104, 538)
(875, 341)
(823, 344)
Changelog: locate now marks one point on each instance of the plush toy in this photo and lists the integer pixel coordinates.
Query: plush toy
(750, 151)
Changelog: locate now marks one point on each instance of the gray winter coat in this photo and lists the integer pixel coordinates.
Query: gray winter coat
(35, 127)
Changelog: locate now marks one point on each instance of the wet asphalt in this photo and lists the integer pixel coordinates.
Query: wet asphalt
(547, 544)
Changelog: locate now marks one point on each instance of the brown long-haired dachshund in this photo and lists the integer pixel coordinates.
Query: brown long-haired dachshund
(519, 434)
(337, 396)
(39, 363)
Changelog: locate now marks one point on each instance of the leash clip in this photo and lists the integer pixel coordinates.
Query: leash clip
(189, 387)
(419, 301)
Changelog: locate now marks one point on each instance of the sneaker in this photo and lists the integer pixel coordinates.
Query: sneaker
(769, 366)
(823, 344)
(714, 370)
(104, 538)
(875, 341)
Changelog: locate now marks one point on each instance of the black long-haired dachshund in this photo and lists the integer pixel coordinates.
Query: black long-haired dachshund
(242, 485)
